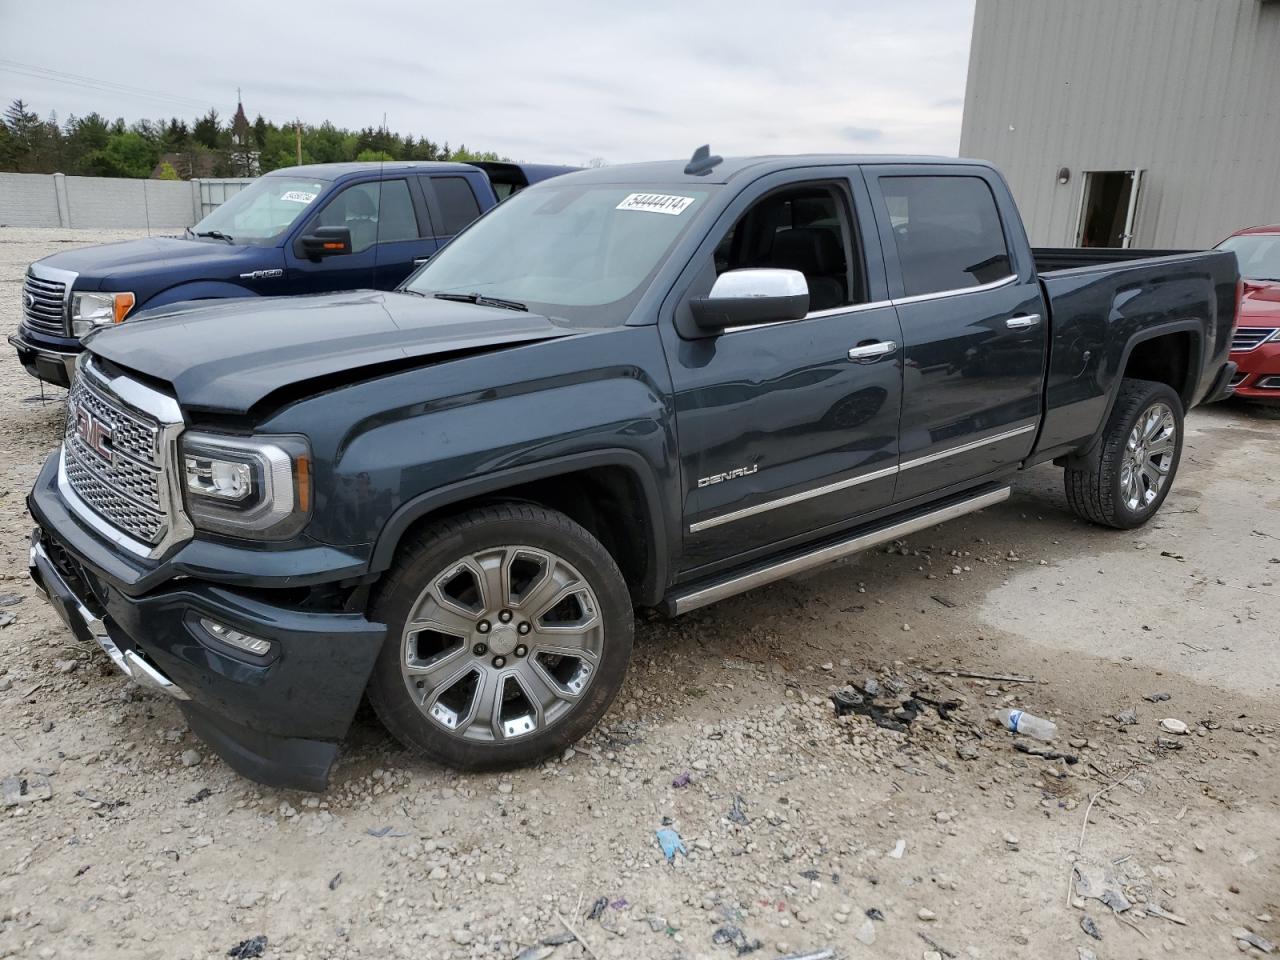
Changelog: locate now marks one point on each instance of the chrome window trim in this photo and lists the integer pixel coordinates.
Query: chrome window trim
(861, 478)
(956, 292)
(793, 498)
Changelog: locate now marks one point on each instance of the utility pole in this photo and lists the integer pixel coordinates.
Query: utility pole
(297, 129)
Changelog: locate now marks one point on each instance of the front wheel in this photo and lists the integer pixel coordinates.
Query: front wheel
(1138, 459)
(509, 633)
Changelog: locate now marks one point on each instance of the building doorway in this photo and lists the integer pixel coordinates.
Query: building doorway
(1108, 208)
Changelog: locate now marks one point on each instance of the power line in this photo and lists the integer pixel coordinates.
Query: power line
(92, 83)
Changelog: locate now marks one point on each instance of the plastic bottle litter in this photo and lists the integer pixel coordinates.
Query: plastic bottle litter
(1019, 721)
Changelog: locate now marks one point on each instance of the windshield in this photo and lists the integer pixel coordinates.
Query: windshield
(581, 253)
(1258, 254)
(263, 210)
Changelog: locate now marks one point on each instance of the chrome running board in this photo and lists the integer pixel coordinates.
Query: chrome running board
(779, 570)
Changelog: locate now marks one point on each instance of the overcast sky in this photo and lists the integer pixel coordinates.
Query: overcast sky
(555, 81)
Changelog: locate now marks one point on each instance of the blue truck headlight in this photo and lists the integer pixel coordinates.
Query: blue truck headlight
(247, 486)
(92, 310)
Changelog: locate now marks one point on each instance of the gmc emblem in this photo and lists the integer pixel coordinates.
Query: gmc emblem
(93, 433)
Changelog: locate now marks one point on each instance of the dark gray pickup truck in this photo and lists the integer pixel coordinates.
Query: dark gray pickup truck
(655, 385)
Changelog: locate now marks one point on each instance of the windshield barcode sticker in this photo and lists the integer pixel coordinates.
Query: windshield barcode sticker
(298, 196)
(656, 203)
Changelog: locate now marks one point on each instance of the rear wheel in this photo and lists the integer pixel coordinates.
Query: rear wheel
(509, 632)
(1136, 464)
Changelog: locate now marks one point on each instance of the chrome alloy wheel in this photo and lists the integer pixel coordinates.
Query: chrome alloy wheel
(502, 643)
(1148, 457)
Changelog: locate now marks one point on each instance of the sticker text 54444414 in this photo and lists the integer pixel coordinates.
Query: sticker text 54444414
(656, 203)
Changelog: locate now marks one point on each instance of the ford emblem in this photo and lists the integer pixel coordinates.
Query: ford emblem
(30, 298)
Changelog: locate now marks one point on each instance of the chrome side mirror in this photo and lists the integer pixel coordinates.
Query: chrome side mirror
(750, 296)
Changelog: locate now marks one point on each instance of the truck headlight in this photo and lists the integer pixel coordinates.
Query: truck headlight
(92, 310)
(247, 486)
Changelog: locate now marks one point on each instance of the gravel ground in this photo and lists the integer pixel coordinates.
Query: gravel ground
(803, 830)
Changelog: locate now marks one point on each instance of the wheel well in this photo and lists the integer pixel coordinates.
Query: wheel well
(607, 501)
(1164, 359)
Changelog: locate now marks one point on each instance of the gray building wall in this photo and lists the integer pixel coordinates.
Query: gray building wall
(1187, 90)
(55, 200)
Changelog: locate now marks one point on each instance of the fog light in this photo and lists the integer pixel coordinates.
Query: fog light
(234, 638)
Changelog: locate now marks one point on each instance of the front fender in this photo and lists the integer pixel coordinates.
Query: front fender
(197, 290)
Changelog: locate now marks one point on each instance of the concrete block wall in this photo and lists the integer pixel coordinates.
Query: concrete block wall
(56, 200)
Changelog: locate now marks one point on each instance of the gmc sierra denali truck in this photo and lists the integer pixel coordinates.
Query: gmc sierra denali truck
(312, 229)
(655, 385)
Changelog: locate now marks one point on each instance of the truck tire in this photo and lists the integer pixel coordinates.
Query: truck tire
(1126, 481)
(509, 631)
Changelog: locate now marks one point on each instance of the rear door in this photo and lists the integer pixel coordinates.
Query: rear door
(453, 204)
(974, 326)
(404, 235)
(783, 433)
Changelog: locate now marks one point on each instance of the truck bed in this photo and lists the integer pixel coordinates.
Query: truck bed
(1105, 303)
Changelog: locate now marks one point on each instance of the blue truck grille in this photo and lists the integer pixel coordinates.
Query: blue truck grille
(44, 305)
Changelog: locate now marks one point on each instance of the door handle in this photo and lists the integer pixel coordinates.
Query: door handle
(1023, 323)
(868, 352)
(419, 261)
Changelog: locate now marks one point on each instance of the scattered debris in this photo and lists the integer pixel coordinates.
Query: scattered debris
(683, 780)
(1165, 743)
(7, 618)
(671, 844)
(729, 935)
(1157, 697)
(249, 949)
(1174, 726)
(827, 954)
(1090, 926)
(1155, 910)
(28, 789)
(539, 951)
(337, 879)
(874, 914)
(83, 870)
(204, 793)
(1027, 724)
(849, 701)
(190, 758)
(1173, 556)
(10, 599)
(1127, 718)
(971, 675)
(107, 805)
(1252, 939)
(385, 832)
(1023, 747)
(898, 850)
(597, 908)
(949, 954)
(945, 601)
(736, 813)
(576, 936)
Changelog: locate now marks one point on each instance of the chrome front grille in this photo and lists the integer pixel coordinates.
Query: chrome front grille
(1247, 338)
(44, 304)
(117, 470)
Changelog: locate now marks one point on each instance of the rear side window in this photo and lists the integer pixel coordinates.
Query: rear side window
(458, 206)
(947, 231)
(396, 219)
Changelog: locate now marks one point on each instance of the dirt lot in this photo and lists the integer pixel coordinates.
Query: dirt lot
(803, 830)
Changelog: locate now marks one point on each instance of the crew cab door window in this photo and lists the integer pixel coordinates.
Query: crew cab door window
(374, 212)
(456, 202)
(806, 229)
(946, 231)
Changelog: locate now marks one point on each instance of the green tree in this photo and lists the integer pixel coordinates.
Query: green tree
(125, 155)
(167, 172)
(207, 130)
(371, 156)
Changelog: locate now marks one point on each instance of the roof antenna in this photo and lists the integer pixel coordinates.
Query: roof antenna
(702, 162)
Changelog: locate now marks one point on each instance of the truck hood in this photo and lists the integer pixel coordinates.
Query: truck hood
(121, 266)
(228, 356)
(1261, 304)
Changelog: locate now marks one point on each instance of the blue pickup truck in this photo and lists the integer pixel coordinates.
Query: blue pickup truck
(310, 229)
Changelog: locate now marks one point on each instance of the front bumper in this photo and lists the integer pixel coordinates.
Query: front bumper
(277, 719)
(1258, 374)
(53, 361)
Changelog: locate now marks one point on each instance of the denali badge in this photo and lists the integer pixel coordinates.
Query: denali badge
(93, 433)
(733, 474)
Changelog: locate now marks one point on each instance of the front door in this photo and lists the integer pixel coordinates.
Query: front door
(974, 325)
(782, 433)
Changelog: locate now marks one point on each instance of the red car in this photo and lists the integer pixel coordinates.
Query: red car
(1256, 347)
